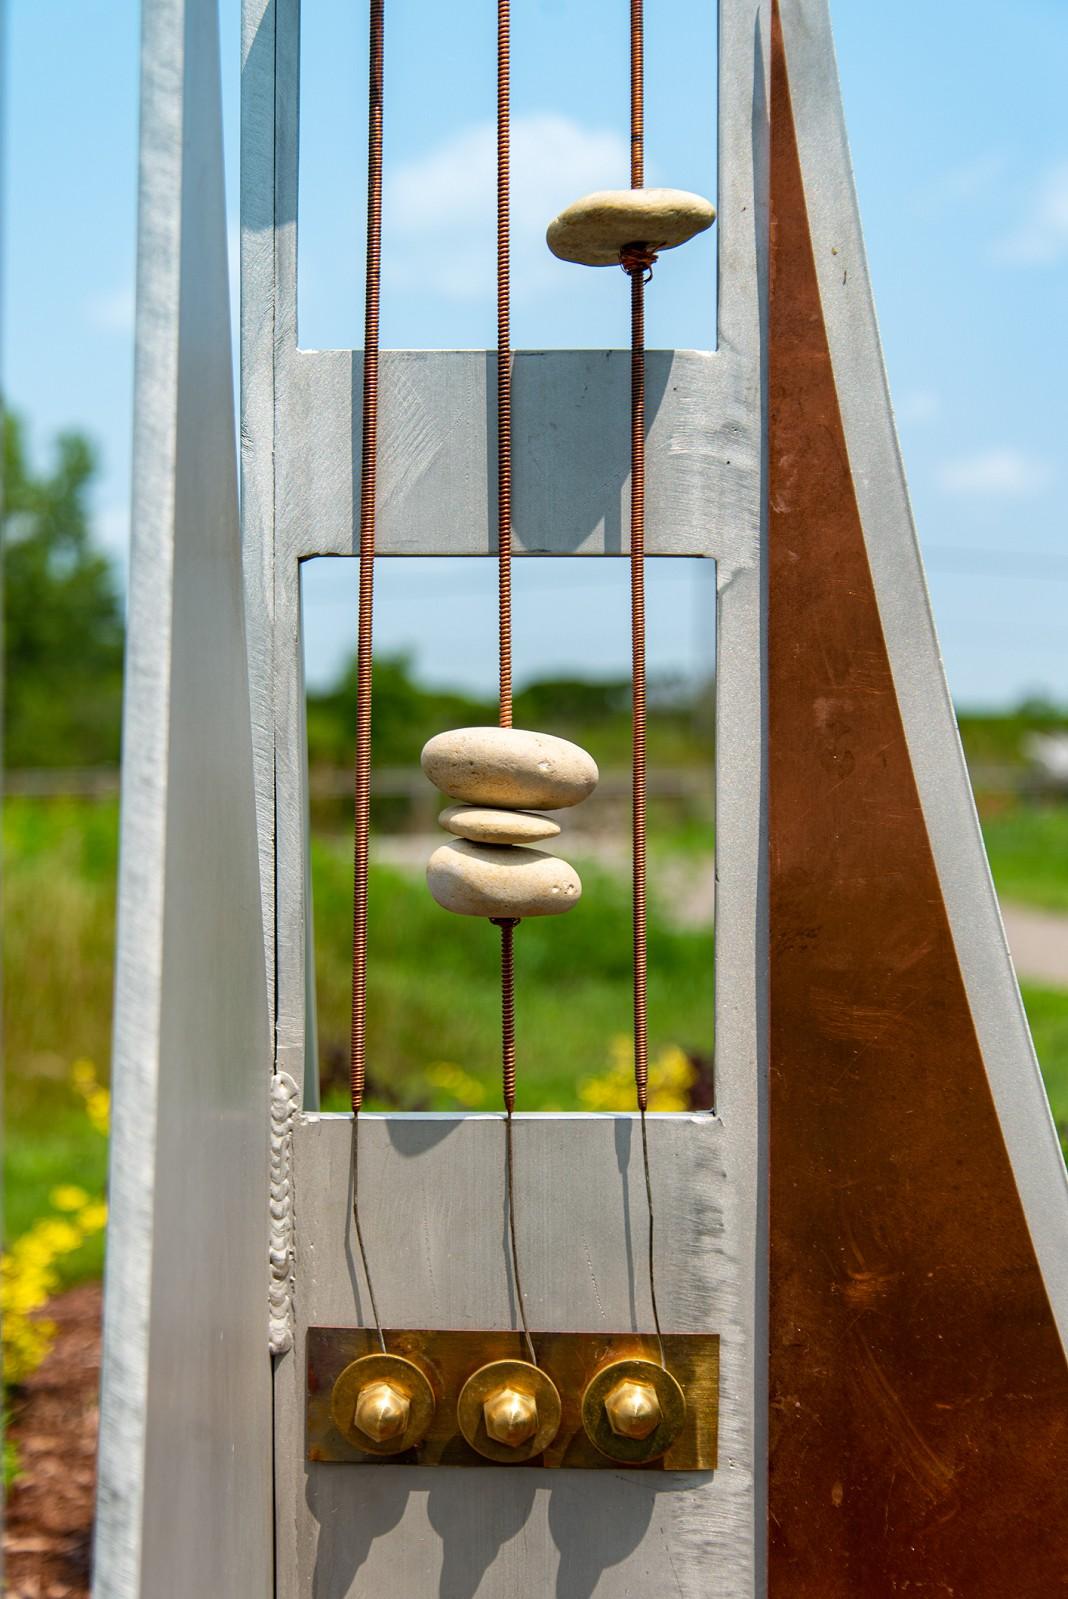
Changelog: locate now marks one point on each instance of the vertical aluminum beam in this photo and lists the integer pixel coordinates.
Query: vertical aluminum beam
(184, 1501)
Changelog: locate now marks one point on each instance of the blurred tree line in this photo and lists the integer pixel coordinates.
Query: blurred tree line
(63, 648)
(63, 622)
(594, 712)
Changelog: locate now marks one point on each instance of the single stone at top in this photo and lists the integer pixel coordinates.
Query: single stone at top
(593, 230)
(484, 825)
(509, 767)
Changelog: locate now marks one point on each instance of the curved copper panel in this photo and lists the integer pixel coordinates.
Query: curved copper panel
(919, 1394)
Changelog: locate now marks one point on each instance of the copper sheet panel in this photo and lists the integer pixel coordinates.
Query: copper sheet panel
(570, 1359)
(918, 1389)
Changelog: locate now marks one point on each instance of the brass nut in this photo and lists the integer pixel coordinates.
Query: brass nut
(381, 1411)
(511, 1417)
(633, 1409)
(509, 1411)
(382, 1404)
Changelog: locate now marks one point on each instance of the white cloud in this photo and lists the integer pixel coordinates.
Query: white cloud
(112, 312)
(919, 406)
(1041, 237)
(1002, 471)
(447, 200)
(963, 185)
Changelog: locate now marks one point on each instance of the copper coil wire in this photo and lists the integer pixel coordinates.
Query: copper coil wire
(638, 258)
(364, 627)
(504, 360)
(637, 261)
(637, 95)
(507, 927)
(368, 485)
(639, 711)
(504, 598)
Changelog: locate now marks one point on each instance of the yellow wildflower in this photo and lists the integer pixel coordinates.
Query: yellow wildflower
(98, 1108)
(97, 1099)
(83, 1075)
(25, 1345)
(671, 1077)
(93, 1217)
(454, 1081)
(59, 1237)
(29, 1275)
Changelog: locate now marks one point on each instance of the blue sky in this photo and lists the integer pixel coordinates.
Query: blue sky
(960, 141)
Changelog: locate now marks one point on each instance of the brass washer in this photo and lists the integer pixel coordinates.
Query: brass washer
(526, 1379)
(633, 1451)
(404, 1375)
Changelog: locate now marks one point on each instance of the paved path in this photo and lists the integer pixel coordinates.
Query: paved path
(1038, 939)
(1039, 944)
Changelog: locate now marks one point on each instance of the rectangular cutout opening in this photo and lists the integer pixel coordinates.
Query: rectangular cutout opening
(433, 977)
(570, 135)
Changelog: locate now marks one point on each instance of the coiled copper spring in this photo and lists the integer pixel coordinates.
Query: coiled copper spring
(364, 626)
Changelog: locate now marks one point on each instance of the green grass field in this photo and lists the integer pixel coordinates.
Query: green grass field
(433, 996)
(1028, 849)
(59, 864)
(434, 987)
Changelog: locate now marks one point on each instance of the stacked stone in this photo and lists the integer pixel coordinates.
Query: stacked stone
(503, 776)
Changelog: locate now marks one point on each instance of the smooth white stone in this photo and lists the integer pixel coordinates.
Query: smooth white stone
(593, 230)
(509, 767)
(483, 825)
(498, 880)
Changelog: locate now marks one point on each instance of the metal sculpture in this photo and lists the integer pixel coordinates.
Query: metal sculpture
(866, 1280)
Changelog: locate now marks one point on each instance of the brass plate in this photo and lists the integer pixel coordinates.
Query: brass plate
(571, 1360)
(485, 1382)
(634, 1451)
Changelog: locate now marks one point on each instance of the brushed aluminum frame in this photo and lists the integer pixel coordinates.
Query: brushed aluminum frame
(300, 474)
(185, 1474)
(203, 1019)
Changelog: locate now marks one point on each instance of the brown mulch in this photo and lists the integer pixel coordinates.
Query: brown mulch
(48, 1529)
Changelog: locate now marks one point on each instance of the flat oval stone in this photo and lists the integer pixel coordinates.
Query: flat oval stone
(509, 767)
(482, 825)
(495, 880)
(593, 230)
